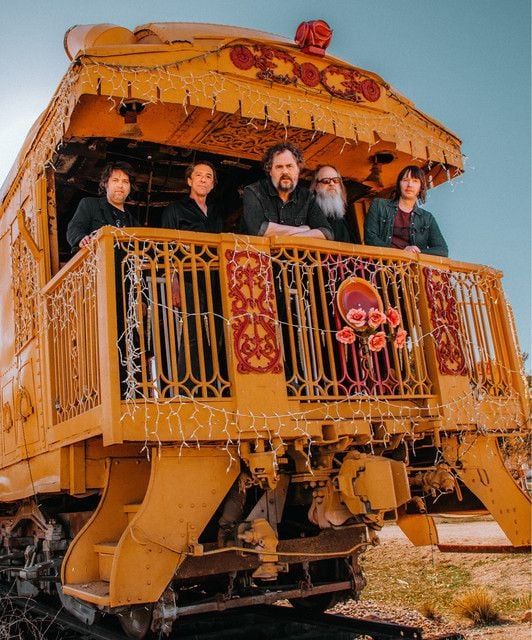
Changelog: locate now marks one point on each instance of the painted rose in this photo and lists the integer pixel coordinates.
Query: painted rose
(394, 317)
(356, 317)
(377, 341)
(346, 335)
(375, 318)
(400, 338)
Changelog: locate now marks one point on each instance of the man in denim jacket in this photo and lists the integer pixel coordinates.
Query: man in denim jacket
(400, 223)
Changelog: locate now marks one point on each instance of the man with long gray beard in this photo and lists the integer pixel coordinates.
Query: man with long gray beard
(330, 193)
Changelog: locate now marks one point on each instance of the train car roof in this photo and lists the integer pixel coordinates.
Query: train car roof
(241, 74)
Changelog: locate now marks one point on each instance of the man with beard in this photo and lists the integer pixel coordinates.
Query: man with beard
(93, 213)
(116, 181)
(330, 193)
(278, 205)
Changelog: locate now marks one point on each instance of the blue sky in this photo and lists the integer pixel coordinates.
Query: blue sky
(466, 63)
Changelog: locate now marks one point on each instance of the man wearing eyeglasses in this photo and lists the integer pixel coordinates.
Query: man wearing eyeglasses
(278, 205)
(331, 197)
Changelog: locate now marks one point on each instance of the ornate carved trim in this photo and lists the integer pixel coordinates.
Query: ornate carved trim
(251, 294)
(445, 322)
(24, 272)
(235, 135)
(278, 65)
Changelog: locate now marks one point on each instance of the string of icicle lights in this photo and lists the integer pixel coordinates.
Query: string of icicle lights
(195, 421)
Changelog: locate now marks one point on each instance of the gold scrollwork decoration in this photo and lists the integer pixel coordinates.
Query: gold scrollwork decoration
(24, 403)
(7, 417)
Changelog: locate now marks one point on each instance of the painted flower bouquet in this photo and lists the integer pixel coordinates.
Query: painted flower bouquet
(375, 326)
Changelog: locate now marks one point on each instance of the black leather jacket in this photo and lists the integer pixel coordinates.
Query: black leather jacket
(94, 213)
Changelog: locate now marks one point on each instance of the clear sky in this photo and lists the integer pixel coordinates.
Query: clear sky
(464, 62)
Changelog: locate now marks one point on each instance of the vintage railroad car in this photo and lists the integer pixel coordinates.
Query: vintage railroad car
(150, 492)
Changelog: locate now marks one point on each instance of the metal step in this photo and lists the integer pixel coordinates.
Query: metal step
(96, 592)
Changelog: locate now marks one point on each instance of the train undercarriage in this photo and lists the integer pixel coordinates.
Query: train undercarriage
(295, 533)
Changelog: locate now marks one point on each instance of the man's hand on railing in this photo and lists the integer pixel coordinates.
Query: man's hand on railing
(176, 292)
(86, 240)
(413, 249)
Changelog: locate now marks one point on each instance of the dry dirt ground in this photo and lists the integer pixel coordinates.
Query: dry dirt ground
(402, 580)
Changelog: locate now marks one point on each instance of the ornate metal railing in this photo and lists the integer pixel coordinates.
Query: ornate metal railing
(471, 331)
(71, 324)
(170, 320)
(317, 364)
(183, 314)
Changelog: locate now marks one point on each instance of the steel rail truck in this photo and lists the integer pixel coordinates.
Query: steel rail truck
(148, 490)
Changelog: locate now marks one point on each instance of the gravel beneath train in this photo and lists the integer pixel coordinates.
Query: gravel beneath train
(370, 609)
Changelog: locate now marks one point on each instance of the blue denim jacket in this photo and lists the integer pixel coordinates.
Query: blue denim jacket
(424, 230)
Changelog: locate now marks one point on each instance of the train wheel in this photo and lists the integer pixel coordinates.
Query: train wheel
(136, 621)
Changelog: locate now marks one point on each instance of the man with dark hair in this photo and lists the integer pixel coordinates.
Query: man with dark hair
(195, 213)
(400, 223)
(278, 205)
(329, 189)
(93, 213)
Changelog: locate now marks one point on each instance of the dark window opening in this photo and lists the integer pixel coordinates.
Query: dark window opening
(160, 179)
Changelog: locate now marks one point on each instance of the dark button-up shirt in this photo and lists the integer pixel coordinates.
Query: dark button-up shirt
(343, 231)
(186, 215)
(263, 205)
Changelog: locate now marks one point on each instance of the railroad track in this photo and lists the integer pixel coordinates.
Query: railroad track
(262, 622)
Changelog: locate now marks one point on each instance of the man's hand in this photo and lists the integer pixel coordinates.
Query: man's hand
(84, 241)
(413, 249)
(310, 233)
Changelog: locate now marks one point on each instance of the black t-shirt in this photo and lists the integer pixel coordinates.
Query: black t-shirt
(121, 217)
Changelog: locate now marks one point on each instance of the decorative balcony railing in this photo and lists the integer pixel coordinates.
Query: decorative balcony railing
(317, 364)
(71, 324)
(471, 326)
(171, 348)
(179, 313)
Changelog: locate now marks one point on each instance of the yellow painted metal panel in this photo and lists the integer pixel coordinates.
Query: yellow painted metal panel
(172, 517)
(481, 468)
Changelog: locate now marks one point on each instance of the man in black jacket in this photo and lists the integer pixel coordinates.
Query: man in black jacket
(278, 205)
(92, 213)
(195, 212)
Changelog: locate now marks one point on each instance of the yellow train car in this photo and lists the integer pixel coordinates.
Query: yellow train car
(153, 490)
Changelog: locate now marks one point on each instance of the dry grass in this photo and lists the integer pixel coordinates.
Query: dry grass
(403, 575)
(478, 606)
(429, 581)
(429, 611)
